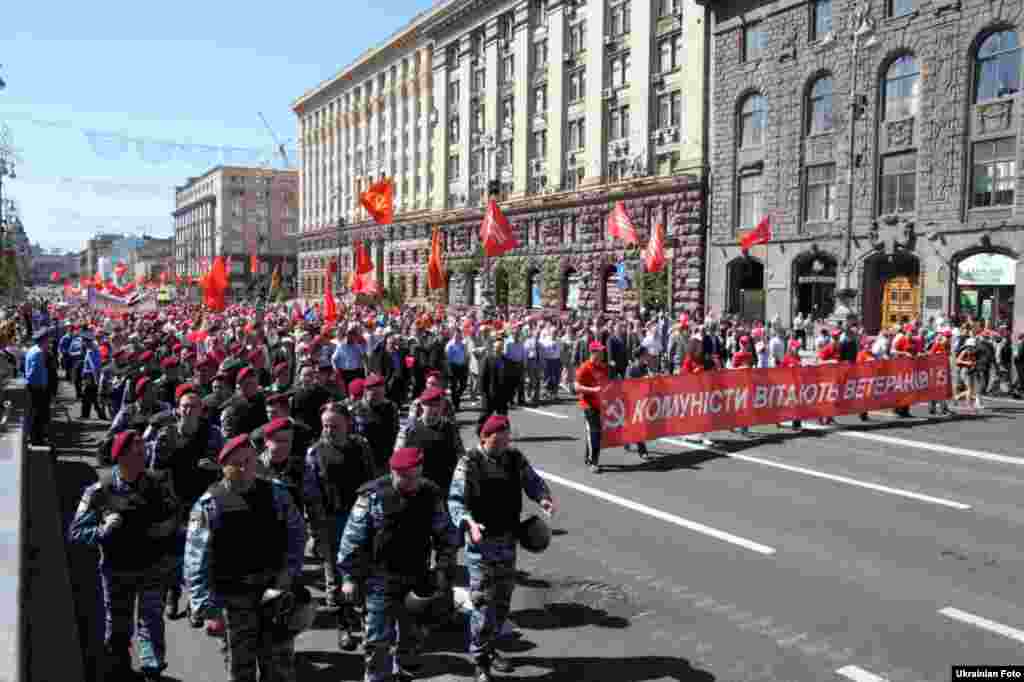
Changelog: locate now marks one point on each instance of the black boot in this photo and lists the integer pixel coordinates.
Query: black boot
(171, 599)
(483, 673)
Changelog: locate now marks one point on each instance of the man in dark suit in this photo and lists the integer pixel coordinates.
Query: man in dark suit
(618, 352)
(496, 384)
(714, 349)
(388, 361)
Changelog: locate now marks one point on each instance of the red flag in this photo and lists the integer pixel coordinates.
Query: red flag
(496, 232)
(67, 289)
(619, 225)
(98, 280)
(216, 282)
(54, 276)
(363, 262)
(762, 234)
(254, 263)
(365, 284)
(330, 311)
(654, 254)
(379, 201)
(435, 268)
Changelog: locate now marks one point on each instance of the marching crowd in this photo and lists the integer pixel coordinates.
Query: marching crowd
(235, 437)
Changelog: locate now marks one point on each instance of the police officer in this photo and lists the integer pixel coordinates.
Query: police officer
(246, 410)
(144, 406)
(182, 451)
(485, 502)
(248, 530)
(376, 419)
(275, 442)
(437, 435)
(132, 517)
(336, 466)
(396, 521)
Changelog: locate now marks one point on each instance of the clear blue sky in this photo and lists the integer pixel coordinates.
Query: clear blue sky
(191, 72)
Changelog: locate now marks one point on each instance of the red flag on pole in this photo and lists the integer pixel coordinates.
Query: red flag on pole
(363, 262)
(619, 224)
(496, 232)
(254, 263)
(654, 254)
(379, 201)
(330, 311)
(762, 234)
(435, 268)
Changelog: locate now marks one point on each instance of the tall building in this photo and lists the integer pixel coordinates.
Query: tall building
(44, 264)
(569, 106)
(99, 248)
(907, 208)
(235, 212)
(153, 258)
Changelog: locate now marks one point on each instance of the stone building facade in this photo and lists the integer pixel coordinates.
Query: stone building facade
(936, 226)
(563, 103)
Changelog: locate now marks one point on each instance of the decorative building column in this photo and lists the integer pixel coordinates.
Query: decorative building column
(465, 109)
(639, 97)
(522, 91)
(556, 95)
(437, 129)
(597, 66)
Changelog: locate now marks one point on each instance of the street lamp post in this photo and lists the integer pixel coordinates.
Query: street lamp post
(6, 231)
(864, 31)
(487, 290)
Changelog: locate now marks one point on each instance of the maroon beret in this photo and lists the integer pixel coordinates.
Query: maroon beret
(374, 380)
(236, 443)
(495, 424)
(182, 390)
(121, 442)
(275, 425)
(146, 357)
(356, 387)
(141, 384)
(280, 367)
(275, 398)
(169, 362)
(431, 395)
(433, 373)
(246, 371)
(406, 458)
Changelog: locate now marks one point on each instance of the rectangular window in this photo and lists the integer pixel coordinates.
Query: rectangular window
(755, 42)
(995, 173)
(508, 69)
(899, 183)
(576, 134)
(900, 8)
(540, 99)
(479, 80)
(506, 153)
(577, 37)
(540, 54)
(749, 213)
(453, 166)
(573, 178)
(619, 18)
(577, 85)
(540, 143)
(508, 112)
(541, 11)
(453, 92)
(667, 8)
(478, 117)
(821, 22)
(821, 193)
(670, 109)
(618, 68)
(670, 53)
(618, 123)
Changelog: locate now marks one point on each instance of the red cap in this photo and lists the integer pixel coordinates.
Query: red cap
(177, 347)
(433, 373)
(275, 425)
(182, 390)
(373, 380)
(405, 459)
(146, 357)
(246, 371)
(168, 363)
(355, 388)
(836, 333)
(236, 443)
(596, 347)
(431, 394)
(141, 384)
(121, 442)
(495, 424)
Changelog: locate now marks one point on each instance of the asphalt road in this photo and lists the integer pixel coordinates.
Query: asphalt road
(865, 552)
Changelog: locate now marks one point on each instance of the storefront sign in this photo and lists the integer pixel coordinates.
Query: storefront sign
(987, 270)
(646, 409)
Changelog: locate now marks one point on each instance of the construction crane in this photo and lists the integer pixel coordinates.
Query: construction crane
(257, 284)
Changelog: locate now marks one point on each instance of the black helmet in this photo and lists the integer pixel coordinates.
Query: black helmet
(534, 534)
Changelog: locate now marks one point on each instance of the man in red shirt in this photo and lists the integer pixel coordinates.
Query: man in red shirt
(591, 378)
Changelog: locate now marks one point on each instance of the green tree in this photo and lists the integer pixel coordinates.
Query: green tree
(653, 288)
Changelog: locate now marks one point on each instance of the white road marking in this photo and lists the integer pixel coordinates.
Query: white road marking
(934, 447)
(1002, 400)
(910, 494)
(661, 515)
(983, 623)
(546, 413)
(857, 674)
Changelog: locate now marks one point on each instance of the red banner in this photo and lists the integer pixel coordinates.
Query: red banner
(638, 410)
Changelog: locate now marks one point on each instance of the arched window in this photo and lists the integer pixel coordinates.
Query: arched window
(901, 89)
(997, 67)
(819, 106)
(753, 121)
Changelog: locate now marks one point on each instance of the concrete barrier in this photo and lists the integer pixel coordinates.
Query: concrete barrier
(39, 638)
